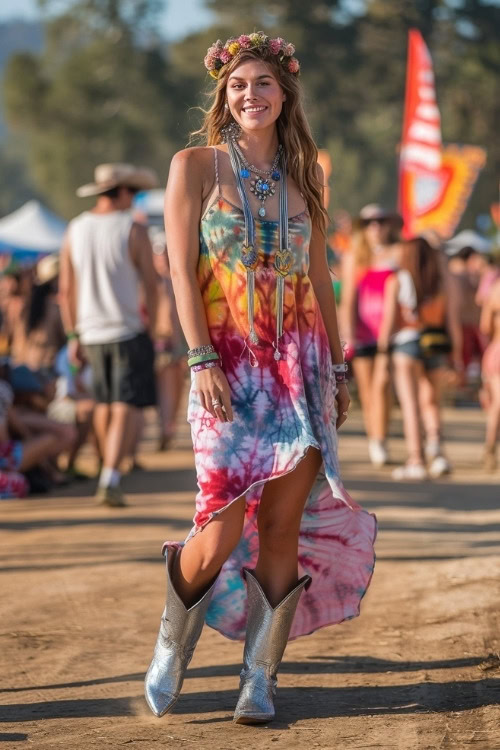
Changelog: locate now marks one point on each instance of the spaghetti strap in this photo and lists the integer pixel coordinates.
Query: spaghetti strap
(216, 162)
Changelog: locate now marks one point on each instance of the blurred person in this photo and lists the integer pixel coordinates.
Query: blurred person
(73, 404)
(246, 237)
(37, 333)
(366, 268)
(467, 266)
(105, 259)
(26, 440)
(490, 327)
(420, 306)
(170, 349)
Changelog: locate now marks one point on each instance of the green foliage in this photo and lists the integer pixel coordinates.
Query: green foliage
(105, 89)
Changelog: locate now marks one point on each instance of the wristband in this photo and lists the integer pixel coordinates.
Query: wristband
(202, 358)
(342, 367)
(340, 377)
(204, 366)
(71, 335)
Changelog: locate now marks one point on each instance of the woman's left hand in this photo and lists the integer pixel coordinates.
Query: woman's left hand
(343, 400)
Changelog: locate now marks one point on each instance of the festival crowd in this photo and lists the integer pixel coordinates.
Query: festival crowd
(419, 319)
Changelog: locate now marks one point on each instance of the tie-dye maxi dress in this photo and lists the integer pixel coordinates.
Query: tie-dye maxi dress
(281, 408)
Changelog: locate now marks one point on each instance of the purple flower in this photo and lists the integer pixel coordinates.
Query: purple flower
(275, 46)
(225, 56)
(245, 41)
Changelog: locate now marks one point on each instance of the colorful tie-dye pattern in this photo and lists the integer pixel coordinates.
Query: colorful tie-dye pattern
(281, 408)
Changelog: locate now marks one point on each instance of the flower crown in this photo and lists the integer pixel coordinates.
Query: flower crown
(220, 54)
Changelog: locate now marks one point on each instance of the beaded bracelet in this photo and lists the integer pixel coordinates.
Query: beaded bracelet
(202, 358)
(204, 349)
(204, 366)
(340, 377)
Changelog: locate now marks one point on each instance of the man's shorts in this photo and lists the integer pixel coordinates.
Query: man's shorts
(11, 455)
(123, 371)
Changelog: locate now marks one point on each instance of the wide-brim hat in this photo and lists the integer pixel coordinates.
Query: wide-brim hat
(469, 238)
(373, 212)
(47, 269)
(109, 176)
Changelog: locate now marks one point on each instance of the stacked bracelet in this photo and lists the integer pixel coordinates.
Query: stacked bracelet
(340, 377)
(205, 366)
(210, 357)
(71, 335)
(204, 349)
(341, 367)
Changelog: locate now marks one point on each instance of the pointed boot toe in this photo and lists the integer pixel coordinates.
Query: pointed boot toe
(158, 701)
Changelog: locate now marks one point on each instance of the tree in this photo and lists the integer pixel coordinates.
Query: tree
(101, 91)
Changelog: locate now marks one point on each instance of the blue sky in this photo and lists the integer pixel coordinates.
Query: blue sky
(179, 18)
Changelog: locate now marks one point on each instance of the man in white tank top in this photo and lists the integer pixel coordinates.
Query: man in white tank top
(105, 260)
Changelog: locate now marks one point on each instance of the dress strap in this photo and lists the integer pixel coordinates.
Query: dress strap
(216, 163)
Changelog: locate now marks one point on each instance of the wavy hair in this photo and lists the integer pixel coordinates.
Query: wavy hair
(293, 129)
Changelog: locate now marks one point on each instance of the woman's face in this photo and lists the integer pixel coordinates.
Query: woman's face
(378, 232)
(254, 96)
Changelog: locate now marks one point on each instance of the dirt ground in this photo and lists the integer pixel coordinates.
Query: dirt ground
(82, 593)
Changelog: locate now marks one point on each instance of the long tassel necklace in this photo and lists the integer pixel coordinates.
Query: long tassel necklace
(283, 259)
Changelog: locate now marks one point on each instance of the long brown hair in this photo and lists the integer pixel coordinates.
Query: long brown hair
(293, 129)
(422, 261)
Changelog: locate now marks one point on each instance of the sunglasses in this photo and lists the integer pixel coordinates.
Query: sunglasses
(381, 222)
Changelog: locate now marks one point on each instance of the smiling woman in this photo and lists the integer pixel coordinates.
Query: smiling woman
(268, 388)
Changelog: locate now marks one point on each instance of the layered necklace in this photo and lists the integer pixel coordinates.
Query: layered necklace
(263, 186)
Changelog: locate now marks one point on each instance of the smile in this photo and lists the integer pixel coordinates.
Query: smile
(254, 109)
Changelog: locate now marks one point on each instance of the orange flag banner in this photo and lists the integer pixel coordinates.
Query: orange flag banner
(435, 183)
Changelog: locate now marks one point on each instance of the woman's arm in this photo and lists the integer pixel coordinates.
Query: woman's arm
(183, 203)
(319, 274)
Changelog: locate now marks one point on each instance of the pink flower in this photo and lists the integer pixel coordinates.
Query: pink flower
(275, 46)
(245, 41)
(289, 50)
(225, 56)
(294, 65)
(209, 61)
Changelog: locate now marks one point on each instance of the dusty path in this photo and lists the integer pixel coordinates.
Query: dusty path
(82, 592)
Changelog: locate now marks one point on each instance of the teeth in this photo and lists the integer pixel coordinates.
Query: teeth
(254, 109)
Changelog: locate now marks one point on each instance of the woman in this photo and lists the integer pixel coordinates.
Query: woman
(366, 270)
(420, 306)
(490, 327)
(257, 308)
(170, 349)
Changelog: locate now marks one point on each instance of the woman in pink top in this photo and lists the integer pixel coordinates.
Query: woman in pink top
(367, 267)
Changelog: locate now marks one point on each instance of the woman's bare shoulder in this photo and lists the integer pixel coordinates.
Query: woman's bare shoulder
(195, 156)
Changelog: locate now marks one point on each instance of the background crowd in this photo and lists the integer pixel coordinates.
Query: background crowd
(420, 321)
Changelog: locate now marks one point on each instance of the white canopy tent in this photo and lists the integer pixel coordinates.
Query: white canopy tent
(31, 231)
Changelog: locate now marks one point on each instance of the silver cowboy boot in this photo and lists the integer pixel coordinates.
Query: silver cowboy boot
(265, 643)
(180, 630)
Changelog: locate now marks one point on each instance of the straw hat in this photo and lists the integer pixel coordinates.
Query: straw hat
(47, 269)
(108, 176)
(374, 211)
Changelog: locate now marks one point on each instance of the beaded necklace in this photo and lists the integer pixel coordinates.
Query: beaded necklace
(283, 259)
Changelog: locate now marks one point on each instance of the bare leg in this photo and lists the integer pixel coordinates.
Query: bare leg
(493, 417)
(406, 372)
(363, 372)
(117, 435)
(380, 397)
(38, 449)
(205, 553)
(102, 415)
(84, 410)
(135, 429)
(279, 517)
(429, 392)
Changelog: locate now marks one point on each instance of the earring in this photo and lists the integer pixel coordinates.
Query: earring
(226, 106)
(231, 132)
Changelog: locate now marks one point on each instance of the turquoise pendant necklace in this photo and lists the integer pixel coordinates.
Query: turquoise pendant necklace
(264, 184)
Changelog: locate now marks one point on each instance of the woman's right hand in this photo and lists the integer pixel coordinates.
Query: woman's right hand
(211, 385)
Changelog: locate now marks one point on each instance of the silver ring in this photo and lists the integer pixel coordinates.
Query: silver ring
(215, 402)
